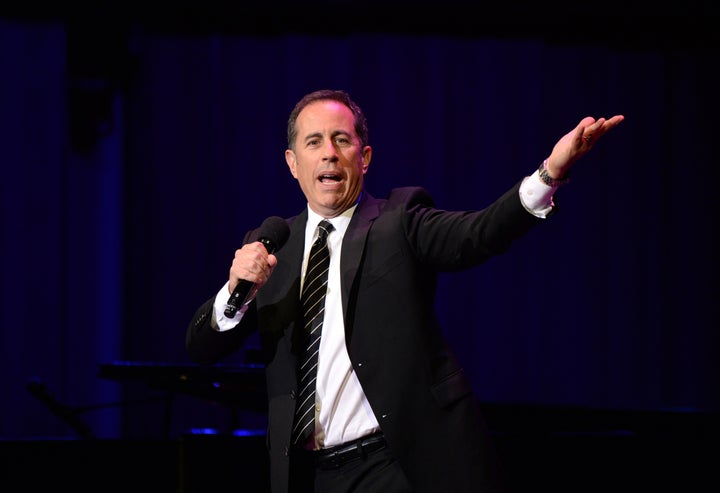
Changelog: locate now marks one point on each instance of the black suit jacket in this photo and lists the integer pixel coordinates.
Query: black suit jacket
(391, 254)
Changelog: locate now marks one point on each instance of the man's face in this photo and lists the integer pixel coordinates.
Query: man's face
(328, 160)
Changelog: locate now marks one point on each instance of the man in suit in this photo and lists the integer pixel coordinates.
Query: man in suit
(394, 411)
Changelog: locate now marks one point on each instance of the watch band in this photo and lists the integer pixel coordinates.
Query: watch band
(549, 180)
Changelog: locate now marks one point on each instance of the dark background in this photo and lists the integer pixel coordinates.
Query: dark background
(138, 145)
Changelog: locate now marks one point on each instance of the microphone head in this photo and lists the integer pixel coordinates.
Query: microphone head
(274, 232)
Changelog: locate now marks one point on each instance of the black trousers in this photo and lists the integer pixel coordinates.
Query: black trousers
(375, 472)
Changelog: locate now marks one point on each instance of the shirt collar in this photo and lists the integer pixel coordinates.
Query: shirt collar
(340, 223)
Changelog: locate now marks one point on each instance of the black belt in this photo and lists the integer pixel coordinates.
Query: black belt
(334, 457)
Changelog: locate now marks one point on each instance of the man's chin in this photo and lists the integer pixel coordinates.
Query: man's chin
(331, 208)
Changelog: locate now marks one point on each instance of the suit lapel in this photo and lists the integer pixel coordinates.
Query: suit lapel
(353, 247)
(291, 254)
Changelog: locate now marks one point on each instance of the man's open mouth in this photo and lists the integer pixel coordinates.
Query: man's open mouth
(329, 177)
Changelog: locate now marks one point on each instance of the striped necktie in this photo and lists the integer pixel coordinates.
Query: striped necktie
(313, 306)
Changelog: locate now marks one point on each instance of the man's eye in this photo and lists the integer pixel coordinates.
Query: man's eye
(342, 140)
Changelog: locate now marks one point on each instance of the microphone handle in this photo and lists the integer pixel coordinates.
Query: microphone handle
(243, 288)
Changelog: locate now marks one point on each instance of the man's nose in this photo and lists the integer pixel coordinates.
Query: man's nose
(330, 152)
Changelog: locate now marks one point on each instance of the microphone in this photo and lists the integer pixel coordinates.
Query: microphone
(274, 232)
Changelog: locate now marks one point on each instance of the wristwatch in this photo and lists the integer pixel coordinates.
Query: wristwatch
(549, 180)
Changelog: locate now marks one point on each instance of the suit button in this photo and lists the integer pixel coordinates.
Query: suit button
(293, 395)
(287, 450)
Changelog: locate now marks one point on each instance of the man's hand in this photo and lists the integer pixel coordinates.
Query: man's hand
(576, 143)
(252, 263)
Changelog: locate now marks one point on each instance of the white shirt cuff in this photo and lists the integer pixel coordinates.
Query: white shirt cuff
(220, 321)
(536, 196)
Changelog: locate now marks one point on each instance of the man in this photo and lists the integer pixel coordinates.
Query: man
(394, 411)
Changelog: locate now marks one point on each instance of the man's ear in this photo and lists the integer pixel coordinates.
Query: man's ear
(366, 157)
(291, 162)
